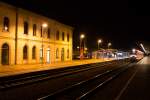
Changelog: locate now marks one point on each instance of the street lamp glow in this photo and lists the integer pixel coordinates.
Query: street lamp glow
(5, 28)
(44, 25)
(133, 50)
(82, 46)
(82, 36)
(86, 48)
(109, 44)
(78, 47)
(99, 41)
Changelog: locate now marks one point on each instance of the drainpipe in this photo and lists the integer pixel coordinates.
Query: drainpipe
(16, 36)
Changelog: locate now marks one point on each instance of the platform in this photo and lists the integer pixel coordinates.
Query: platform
(8, 70)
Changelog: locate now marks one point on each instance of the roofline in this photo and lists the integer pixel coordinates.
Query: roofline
(40, 15)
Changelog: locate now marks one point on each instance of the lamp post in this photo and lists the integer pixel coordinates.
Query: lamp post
(99, 41)
(78, 49)
(44, 25)
(81, 48)
(109, 44)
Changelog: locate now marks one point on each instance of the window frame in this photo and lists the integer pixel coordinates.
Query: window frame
(57, 35)
(25, 52)
(57, 53)
(48, 33)
(68, 37)
(68, 53)
(26, 27)
(6, 23)
(34, 52)
(63, 36)
(34, 29)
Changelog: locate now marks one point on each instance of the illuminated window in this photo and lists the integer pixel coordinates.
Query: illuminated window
(34, 29)
(57, 35)
(25, 52)
(48, 33)
(63, 36)
(68, 53)
(68, 37)
(25, 27)
(6, 24)
(34, 52)
(5, 54)
(57, 53)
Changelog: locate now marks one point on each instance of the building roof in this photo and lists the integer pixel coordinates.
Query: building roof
(35, 14)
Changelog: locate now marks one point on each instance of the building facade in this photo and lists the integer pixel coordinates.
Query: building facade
(29, 38)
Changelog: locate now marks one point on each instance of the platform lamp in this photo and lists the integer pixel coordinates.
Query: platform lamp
(82, 36)
(99, 42)
(44, 25)
(109, 44)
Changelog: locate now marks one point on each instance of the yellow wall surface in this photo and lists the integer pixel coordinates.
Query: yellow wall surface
(20, 39)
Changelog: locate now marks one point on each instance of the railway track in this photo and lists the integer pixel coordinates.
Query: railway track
(43, 76)
(83, 89)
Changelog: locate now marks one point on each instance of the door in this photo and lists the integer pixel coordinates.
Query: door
(5, 54)
(48, 56)
(41, 55)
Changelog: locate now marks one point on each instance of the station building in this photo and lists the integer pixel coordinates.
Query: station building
(29, 38)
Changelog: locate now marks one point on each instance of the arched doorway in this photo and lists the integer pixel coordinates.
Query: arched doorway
(41, 55)
(62, 54)
(48, 56)
(5, 54)
(25, 52)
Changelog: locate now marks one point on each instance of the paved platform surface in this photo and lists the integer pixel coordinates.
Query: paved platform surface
(20, 69)
(139, 85)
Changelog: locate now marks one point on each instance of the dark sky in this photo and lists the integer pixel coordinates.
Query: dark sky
(121, 22)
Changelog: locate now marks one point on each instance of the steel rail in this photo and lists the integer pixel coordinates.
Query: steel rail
(83, 83)
(109, 79)
(42, 77)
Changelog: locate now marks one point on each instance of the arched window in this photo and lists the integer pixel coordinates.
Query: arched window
(6, 24)
(57, 53)
(25, 27)
(34, 52)
(57, 35)
(5, 54)
(34, 29)
(48, 33)
(25, 52)
(68, 37)
(68, 53)
(63, 36)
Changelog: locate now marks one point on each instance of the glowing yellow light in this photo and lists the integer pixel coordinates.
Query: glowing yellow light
(82, 36)
(44, 25)
(6, 28)
(133, 50)
(109, 44)
(99, 41)
(86, 48)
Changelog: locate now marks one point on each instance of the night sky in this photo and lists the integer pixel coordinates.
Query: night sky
(122, 22)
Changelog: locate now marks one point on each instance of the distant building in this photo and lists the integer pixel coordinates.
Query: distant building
(110, 53)
(29, 38)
